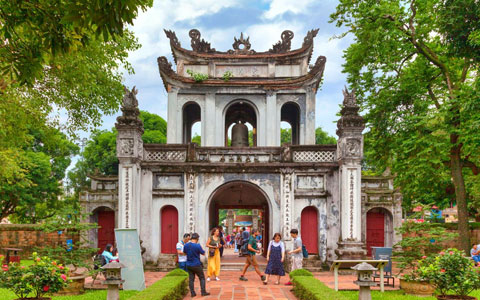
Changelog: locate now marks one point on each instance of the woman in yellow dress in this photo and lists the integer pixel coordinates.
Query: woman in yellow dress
(213, 245)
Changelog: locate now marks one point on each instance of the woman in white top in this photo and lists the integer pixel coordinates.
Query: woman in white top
(275, 258)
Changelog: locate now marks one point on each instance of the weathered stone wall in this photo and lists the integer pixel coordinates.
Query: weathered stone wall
(27, 237)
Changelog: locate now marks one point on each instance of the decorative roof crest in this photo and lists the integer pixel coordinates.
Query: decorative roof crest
(310, 36)
(173, 37)
(197, 44)
(283, 45)
(238, 49)
(129, 99)
(349, 98)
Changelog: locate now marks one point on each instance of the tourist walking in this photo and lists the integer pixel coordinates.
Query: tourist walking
(214, 245)
(275, 258)
(244, 241)
(194, 265)
(238, 239)
(296, 253)
(222, 239)
(251, 260)
(182, 257)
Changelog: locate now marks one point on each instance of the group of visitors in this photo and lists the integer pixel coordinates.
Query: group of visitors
(189, 252)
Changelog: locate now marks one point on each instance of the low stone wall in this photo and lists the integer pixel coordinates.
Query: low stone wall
(27, 237)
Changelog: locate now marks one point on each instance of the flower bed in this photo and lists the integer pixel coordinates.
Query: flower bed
(171, 287)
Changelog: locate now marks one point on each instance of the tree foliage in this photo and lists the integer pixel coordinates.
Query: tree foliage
(34, 33)
(33, 191)
(99, 155)
(414, 65)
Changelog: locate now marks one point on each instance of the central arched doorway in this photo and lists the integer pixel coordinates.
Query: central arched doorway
(242, 197)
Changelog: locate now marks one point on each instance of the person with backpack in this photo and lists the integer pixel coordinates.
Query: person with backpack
(296, 253)
(244, 243)
(252, 249)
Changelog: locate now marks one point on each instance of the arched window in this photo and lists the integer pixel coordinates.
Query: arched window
(241, 111)
(290, 113)
(191, 116)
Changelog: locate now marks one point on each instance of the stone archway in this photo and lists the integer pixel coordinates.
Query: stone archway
(241, 195)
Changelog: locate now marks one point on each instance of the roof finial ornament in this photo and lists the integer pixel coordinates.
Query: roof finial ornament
(310, 36)
(283, 45)
(241, 45)
(173, 37)
(197, 44)
(349, 98)
(129, 98)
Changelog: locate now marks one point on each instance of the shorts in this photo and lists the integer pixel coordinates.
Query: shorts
(297, 263)
(251, 260)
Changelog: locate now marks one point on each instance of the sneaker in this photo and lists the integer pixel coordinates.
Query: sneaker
(289, 283)
(194, 295)
(217, 279)
(208, 278)
(242, 278)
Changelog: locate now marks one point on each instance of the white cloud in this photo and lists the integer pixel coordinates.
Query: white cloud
(279, 7)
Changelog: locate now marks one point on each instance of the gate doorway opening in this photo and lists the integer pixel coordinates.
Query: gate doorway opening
(241, 204)
(105, 218)
(379, 229)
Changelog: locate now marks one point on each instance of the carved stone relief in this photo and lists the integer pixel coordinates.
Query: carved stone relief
(352, 148)
(126, 146)
(311, 182)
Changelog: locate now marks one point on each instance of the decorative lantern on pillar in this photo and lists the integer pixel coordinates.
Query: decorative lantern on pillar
(113, 278)
(364, 280)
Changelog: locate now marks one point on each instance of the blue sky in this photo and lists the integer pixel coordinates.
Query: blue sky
(219, 21)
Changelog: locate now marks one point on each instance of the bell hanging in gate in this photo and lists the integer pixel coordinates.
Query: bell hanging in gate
(240, 135)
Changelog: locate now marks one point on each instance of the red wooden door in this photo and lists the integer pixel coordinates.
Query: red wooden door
(106, 230)
(375, 231)
(309, 229)
(169, 217)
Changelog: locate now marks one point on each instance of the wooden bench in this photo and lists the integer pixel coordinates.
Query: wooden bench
(380, 264)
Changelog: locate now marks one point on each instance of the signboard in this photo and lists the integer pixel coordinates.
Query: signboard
(129, 254)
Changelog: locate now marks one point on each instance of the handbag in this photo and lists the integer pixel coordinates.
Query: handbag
(211, 252)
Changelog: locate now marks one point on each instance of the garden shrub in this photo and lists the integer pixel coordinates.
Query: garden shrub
(310, 288)
(177, 272)
(300, 272)
(171, 287)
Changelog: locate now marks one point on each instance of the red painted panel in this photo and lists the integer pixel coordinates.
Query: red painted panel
(106, 230)
(169, 217)
(375, 231)
(309, 229)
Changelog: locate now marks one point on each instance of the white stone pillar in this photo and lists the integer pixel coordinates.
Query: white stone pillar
(273, 125)
(349, 154)
(130, 154)
(172, 126)
(190, 202)
(307, 135)
(208, 121)
(287, 203)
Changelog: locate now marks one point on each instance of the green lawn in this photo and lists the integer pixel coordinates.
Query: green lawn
(395, 295)
(89, 295)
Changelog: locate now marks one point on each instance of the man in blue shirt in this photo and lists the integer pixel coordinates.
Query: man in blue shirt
(194, 265)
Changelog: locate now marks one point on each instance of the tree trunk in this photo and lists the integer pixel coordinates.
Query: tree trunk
(460, 194)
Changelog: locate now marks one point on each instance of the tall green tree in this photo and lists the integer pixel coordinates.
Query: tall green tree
(99, 155)
(414, 65)
(37, 193)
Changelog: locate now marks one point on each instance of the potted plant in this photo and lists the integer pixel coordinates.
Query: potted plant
(453, 275)
(77, 254)
(43, 277)
(420, 239)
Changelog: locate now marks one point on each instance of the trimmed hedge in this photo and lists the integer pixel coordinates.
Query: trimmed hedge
(300, 272)
(171, 287)
(177, 272)
(310, 288)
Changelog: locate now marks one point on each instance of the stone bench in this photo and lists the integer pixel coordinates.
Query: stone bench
(380, 264)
